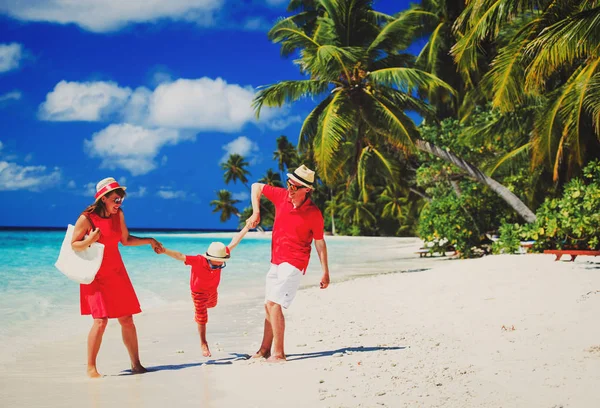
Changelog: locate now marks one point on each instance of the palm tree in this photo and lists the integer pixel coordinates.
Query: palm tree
(235, 169)
(226, 205)
(367, 87)
(271, 178)
(433, 20)
(547, 57)
(285, 154)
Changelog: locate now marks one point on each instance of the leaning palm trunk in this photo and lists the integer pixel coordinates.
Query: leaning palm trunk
(473, 172)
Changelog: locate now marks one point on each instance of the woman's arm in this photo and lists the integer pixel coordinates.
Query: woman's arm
(130, 240)
(238, 237)
(174, 254)
(78, 243)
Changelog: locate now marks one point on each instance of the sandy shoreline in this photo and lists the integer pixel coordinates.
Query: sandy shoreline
(432, 338)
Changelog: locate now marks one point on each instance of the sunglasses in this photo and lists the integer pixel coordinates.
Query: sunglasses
(118, 200)
(294, 187)
(215, 267)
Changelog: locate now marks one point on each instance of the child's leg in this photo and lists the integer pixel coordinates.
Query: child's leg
(200, 303)
(203, 342)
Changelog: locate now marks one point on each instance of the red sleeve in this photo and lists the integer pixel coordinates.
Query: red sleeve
(318, 227)
(274, 194)
(192, 259)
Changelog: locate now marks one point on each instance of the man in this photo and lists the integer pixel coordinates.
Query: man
(297, 222)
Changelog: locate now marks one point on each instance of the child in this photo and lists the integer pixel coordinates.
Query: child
(205, 278)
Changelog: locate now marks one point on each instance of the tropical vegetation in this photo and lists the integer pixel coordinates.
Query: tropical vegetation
(507, 94)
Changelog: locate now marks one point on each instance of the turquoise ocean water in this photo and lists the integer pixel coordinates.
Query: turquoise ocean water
(36, 299)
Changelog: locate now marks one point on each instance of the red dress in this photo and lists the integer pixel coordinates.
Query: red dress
(111, 294)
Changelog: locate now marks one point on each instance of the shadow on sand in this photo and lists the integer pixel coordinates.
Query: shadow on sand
(359, 349)
(176, 367)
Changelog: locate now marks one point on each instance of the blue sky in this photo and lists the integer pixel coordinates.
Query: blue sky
(154, 93)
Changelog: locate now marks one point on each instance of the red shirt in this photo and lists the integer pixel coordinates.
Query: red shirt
(202, 279)
(294, 228)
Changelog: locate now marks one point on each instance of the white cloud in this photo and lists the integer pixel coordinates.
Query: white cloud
(71, 184)
(141, 192)
(242, 146)
(170, 194)
(130, 147)
(87, 101)
(277, 2)
(89, 189)
(111, 15)
(33, 178)
(257, 24)
(10, 96)
(242, 196)
(1, 145)
(10, 56)
(202, 104)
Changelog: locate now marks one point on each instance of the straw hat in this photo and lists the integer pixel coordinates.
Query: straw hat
(303, 175)
(106, 186)
(217, 251)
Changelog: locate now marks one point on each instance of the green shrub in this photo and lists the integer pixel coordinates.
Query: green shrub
(569, 222)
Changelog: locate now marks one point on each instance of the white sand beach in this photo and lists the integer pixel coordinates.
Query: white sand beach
(500, 331)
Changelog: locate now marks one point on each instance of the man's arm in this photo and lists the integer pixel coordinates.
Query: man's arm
(322, 251)
(255, 195)
(238, 237)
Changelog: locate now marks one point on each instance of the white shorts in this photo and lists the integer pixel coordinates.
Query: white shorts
(282, 281)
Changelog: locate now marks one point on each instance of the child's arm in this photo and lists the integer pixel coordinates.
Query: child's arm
(238, 237)
(174, 254)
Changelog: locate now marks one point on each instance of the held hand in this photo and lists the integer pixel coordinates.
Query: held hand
(253, 220)
(324, 281)
(94, 235)
(157, 246)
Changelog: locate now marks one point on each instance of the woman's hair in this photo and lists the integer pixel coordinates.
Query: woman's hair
(98, 207)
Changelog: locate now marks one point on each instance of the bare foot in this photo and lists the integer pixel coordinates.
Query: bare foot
(262, 354)
(92, 372)
(276, 359)
(138, 369)
(205, 350)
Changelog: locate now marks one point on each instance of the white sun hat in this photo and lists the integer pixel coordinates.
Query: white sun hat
(107, 185)
(303, 175)
(217, 251)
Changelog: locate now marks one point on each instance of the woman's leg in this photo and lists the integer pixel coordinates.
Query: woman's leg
(93, 345)
(131, 343)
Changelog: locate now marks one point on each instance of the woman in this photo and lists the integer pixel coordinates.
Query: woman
(111, 294)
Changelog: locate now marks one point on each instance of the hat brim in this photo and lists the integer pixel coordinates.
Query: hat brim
(214, 258)
(293, 177)
(112, 189)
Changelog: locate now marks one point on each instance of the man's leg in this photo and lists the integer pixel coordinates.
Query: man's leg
(267, 341)
(278, 329)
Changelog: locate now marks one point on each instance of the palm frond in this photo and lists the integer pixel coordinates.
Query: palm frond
(311, 124)
(334, 126)
(286, 92)
(592, 102)
(389, 121)
(509, 156)
(571, 38)
(409, 80)
(399, 33)
(290, 36)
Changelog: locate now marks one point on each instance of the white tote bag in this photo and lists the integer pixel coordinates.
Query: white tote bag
(80, 266)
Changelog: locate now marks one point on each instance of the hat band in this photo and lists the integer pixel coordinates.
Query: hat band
(301, 179)
(107, 187)
(218, 257)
